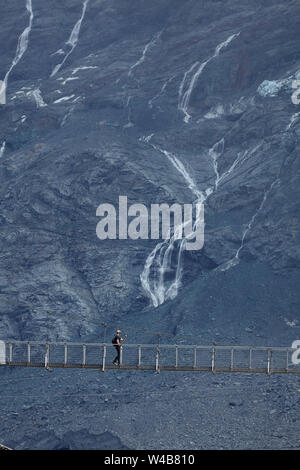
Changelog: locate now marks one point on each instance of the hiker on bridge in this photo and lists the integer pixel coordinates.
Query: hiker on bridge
(117, 342)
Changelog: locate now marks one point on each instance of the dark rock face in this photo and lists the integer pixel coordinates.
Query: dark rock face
(211, 82)
(80, 440)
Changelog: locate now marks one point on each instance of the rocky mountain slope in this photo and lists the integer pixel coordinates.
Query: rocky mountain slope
(163, 101)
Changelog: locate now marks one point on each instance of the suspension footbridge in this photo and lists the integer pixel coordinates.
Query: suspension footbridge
(151, 357)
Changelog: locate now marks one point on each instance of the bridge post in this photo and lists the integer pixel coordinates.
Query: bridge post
(213, 359)
(269, 361)
(232, 359)
(157, 361)
(250, 358)
(287, 361)
(10, 353)
(2, 352)
(176, 357)
(47, 356)
(139, 356)
(65, 354)
(83, 355)
(195, 358)
(104, 358)
(28, 353)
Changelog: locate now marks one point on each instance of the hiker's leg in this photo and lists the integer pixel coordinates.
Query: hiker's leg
(117, 356)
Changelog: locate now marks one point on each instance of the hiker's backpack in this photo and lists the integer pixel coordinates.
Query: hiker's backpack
(114, 340)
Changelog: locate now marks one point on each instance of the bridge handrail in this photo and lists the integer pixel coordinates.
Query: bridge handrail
(152, 345)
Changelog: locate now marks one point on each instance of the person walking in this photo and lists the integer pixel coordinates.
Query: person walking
(117, 342)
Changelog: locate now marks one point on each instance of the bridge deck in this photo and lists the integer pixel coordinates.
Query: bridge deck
(99, 356)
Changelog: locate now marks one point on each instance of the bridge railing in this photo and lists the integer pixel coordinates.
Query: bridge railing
(149, 357)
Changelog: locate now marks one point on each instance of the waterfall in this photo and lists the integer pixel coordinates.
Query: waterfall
(21, 47)
(73, 39)
(40, 103)
(148, 46)
(2, 149)
(188, 84)
(236, 259)
(162, 90)
(160, 259)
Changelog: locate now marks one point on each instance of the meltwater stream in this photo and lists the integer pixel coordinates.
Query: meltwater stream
(147, 47)
(191, 77)
(73, 39)
(236, 259)
(21, 47)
